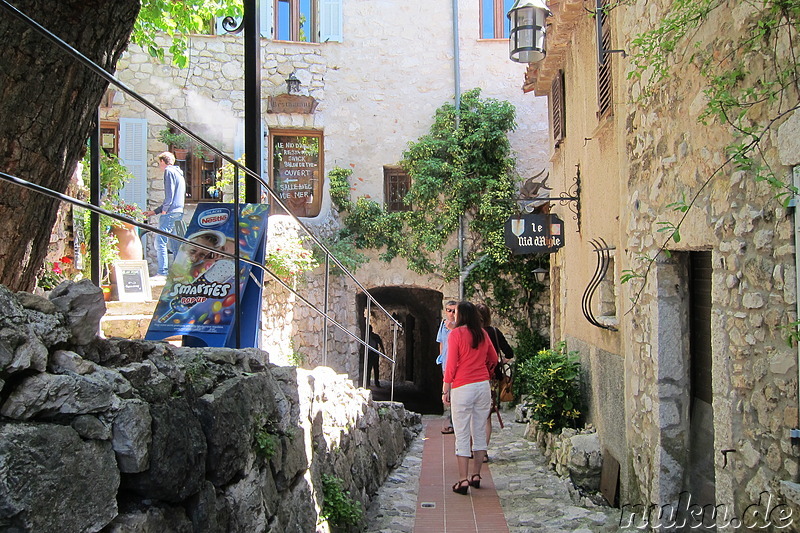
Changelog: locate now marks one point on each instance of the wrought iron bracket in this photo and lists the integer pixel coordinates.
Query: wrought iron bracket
(230, 26)
(602, 249)
(571, 198)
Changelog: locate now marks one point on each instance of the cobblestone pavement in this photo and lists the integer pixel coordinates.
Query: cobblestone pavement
(533, 497)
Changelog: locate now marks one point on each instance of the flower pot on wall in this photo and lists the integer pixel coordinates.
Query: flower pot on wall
(128, 242)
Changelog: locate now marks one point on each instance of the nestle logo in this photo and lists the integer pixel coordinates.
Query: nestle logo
(215, 217)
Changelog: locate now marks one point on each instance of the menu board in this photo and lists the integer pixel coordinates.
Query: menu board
(297, 173)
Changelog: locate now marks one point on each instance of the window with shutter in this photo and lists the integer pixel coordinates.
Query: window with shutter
(396, 183)
(133, 154)
(558, 108)
(604, 92)
(309, 21)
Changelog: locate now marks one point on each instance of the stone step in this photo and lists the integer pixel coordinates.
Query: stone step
(125, 326)
(130, 320)
(130, 308)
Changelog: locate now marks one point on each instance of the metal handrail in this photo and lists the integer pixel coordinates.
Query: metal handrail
(91, 65)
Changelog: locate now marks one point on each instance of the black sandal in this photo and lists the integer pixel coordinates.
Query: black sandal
(460, 488)
(473, 482)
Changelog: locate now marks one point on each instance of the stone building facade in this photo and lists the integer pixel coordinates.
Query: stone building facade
(375, 80)
(692, 386)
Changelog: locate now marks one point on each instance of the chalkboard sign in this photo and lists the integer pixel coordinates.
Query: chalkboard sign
(133, 281)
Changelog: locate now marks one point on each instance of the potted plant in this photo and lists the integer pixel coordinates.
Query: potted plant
(178, 142)
(129, 244)
(113, 177)
(203, 152)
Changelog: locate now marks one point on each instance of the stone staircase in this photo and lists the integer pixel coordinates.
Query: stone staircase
(130, 320)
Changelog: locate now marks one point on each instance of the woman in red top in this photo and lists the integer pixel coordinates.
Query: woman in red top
(471, 359)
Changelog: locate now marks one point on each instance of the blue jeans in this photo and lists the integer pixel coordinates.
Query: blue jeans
(166, 222)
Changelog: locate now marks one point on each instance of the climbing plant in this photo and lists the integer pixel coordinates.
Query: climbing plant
(752, 84)
(178, 20)
(462, 171)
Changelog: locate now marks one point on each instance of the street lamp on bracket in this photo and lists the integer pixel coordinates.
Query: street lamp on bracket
(526, 39)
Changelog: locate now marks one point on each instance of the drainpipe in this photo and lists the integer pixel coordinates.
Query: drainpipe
(795, 433)
(457, 91)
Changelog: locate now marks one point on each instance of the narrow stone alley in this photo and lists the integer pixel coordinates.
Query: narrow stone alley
(532, 496)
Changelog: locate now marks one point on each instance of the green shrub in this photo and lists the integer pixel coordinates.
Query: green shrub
(266, 443)
(529, 343)
(338, 507)
(551, 383)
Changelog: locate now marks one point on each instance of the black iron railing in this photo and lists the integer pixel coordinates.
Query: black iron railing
(93, 206)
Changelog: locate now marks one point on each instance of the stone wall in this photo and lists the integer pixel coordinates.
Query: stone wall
(754, 290)
(647, 155)
(134, 436)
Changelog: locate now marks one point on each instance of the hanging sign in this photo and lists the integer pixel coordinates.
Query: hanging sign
(528, 234)
(199, 296)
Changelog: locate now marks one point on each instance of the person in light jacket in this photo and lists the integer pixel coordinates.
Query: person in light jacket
(171, 210)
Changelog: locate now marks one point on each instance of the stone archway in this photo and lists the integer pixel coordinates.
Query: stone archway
(417, 380)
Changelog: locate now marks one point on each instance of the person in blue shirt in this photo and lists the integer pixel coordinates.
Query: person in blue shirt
(445, 326)
(171, 210)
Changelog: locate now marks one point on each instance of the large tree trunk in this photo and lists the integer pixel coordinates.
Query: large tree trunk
(48, 102)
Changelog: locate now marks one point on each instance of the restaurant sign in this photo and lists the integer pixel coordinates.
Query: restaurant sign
(528, 234)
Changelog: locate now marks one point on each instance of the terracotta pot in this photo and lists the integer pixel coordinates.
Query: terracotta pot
(128, 242)
(106, 292)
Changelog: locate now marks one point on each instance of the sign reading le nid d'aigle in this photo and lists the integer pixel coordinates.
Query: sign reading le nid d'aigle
(528, 234)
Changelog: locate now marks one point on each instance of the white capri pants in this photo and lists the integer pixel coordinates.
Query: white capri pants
(470, 405)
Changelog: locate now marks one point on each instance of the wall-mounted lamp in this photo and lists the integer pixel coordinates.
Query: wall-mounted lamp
(540, 274)
(292, 84)
(527, 34)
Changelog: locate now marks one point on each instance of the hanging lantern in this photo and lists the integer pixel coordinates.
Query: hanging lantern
(526, 38)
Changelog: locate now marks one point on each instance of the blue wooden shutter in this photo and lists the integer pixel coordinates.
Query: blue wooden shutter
(267, 18)
(133, 154)
(330, 16)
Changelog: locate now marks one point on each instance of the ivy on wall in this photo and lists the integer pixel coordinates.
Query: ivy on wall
(462, 169)
(752, 84)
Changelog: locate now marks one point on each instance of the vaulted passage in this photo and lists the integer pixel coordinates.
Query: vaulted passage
(417, 380)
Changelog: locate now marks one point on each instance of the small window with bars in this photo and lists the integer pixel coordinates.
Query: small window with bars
(396, 183)
(558, 108)
(604, 92)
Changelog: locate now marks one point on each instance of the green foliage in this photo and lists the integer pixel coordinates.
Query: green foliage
(226, 175)
(340, 188)
(174, 139)
(178, 20)
(462, 167)
(287, 258)
(108, 242)
(53, 274)
(196, 369)
(267, 443)
(751, 85)
(791, 333)
(529, 343)
(338, 507)
(551, 382)
(296, 358)
(343, 247)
